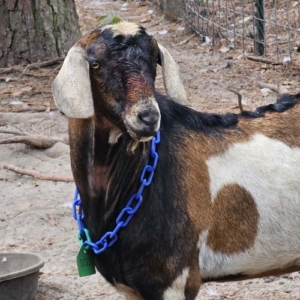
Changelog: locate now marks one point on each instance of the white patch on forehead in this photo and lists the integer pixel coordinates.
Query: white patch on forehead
(270, 171)
(123, 28)
(176, 290)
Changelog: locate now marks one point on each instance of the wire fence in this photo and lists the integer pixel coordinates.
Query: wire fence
(269, 28)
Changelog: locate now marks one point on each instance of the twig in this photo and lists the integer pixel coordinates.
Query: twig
(50, 126)
(43, 64)
(15, 132)
(187, 39)
(239, 97)
(9, 70)
(38, 175)
(34, 75)
(36, 141)
(264, 60)
(281, 43)
(55, 69)
(46, 63)
(226, 64)
(21, 129)
(157, 22)
(8, 79)
(35, 109)
(278, 89)
(17, 118)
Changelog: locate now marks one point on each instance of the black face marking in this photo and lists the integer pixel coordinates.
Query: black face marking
(125, 76)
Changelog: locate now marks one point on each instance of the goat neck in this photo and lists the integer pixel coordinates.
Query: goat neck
(105, 173)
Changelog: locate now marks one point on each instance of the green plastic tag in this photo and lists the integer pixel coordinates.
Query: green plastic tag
(85, 262)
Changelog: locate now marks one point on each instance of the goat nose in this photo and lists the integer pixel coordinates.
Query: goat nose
(149, 117)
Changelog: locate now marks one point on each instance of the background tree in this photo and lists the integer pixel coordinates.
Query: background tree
(34, 30)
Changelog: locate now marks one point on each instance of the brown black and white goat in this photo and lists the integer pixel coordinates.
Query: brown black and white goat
(225, 199)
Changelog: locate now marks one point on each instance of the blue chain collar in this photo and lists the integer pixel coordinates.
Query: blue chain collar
(132, 206)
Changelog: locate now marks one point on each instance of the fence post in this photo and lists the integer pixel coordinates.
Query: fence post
(259, 39)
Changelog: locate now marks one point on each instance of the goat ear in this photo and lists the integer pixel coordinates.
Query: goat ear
(72, 87)
(171, 76)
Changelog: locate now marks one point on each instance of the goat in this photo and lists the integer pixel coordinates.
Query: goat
(224, 202)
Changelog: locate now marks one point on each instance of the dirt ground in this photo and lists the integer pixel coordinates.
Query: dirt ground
(35, 215)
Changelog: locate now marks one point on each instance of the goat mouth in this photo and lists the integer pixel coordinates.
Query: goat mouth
(140, 135)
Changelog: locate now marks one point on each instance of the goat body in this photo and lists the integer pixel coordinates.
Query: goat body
(225, 199)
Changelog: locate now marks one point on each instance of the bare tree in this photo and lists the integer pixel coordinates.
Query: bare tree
(34, 30)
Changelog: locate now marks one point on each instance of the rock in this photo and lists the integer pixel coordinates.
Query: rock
(59, 149)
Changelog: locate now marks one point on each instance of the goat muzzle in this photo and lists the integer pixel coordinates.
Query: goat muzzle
(142, 121)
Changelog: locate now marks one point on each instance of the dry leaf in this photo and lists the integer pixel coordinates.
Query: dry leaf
(145, 20)
(162, 32)
(224, 49)
(26, 89)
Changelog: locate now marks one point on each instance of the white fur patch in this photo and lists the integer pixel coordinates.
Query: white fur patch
(123, 28)
(270, 171)
(128, 292)
(114, 135)
(176, 291)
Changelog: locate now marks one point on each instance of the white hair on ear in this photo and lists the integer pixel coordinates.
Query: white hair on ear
(72, 87)
(171, 77)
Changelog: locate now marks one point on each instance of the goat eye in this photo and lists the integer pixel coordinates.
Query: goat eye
(95, 65)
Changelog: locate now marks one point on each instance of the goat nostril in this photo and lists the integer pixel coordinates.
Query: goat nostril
(149, 118)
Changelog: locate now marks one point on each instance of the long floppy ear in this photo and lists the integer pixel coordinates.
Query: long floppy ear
(72, 87)
(171, 76)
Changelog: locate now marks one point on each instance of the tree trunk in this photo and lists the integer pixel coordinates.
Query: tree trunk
(35, 30)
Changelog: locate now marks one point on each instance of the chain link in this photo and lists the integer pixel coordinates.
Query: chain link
(127, 213)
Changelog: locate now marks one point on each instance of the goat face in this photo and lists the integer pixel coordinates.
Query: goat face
(122, 74)
(110, 73)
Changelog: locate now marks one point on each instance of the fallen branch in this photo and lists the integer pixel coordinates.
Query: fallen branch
(187, 39)
(264, 60)
(239, 97)
(10, 70)
(226, 64)
(32, 66)
(34, 75)
(14, 132)
(36, 141)
(37, 175)
(275, 88)
(17, 118)
(34, 109)
(157, 22)
(56, 69)
(43, 64)
(46, 63)
(8, 79)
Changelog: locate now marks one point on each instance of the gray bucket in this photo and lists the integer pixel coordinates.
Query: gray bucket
(19, 274)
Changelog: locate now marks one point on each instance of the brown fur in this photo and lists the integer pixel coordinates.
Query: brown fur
(277, 272)
(79, 129)
(88, 39)
(279, 126)
(194, 278)
(138, 90)
(195, 180)
(235, 222)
